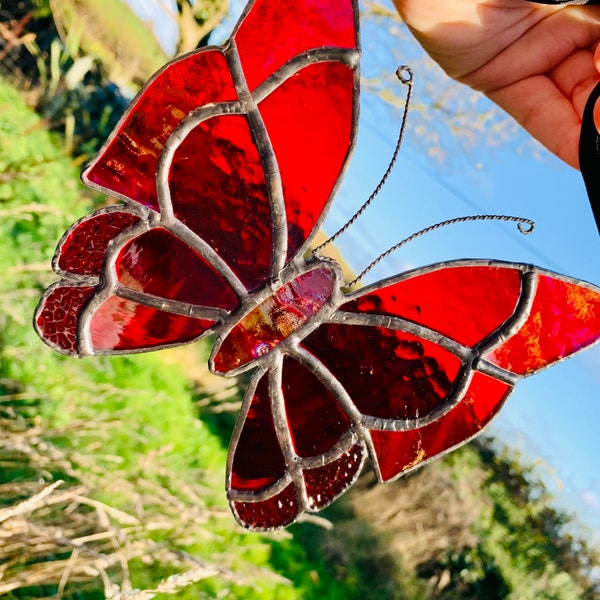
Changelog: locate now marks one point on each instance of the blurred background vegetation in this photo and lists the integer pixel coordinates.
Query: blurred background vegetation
(112, 469)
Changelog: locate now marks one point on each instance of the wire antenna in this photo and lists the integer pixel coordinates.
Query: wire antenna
(405, 75)
(526, 226)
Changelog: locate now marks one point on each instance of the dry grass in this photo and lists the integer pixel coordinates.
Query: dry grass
(55, 539)
(421, 516)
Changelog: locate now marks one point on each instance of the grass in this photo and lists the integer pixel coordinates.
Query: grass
(143, 476)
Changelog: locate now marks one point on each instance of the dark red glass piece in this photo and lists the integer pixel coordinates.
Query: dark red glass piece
(465, 303)
(127, 165)
(57, 318)
(388, 374)
(272, 321)
(218, 190)
(324, 484)
(400, 451)
(268, 38)
(83, 250)
(564, 318)
(121, 324)
(258, 462)
(156, 262)
(278, 511)
(309, 119)
(315, 419)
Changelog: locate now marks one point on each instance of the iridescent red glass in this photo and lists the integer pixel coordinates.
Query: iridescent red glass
(226, 164)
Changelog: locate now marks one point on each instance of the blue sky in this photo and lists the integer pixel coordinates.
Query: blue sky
(552, 417)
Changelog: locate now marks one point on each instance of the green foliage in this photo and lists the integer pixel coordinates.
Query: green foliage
(124, 426)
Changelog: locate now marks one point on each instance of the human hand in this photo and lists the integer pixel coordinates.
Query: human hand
(535, 61)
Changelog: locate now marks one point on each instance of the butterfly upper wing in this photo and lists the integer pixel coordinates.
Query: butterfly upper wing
(240, 148)
(234, 153)
(429, 357)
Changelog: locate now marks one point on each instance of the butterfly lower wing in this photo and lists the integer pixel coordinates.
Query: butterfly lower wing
(429, 357)
(294, 449)
(128, 286)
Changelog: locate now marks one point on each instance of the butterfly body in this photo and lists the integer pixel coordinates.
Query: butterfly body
(227, 163)
(306, 290)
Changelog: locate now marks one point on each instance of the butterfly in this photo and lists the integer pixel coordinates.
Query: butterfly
(226, 164)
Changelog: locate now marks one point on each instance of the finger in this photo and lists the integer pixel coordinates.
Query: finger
(543, 46)
(543, 110)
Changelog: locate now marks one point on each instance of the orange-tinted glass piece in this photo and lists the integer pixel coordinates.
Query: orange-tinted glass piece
(388, 374)
(127, 165)
(158, 263)
(309, 120)
(272, 321)
(564, 318)
(84, 248)
(267, 39)
(258, 462)
(121, 324)
(315, 420)
(466, 303)
(218, 190)
(399, 451)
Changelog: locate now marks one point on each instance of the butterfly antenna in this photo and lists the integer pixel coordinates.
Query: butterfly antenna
(405, 75)
(526, 226)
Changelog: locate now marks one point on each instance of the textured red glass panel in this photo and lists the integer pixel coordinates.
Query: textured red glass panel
(399, 451)
(388, 374)
(325, 483)
(258, 461)
(314, 417)
(275, 319)
(564, 318)
(464, 303)
(83, 250)
(277, 511)
(309, 120)
(58, 318)
(128, 164)
(158, 263)
(121, 324)
(274, 32)
(218, 190)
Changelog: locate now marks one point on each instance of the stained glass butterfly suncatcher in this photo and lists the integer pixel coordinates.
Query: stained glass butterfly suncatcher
(226, 164)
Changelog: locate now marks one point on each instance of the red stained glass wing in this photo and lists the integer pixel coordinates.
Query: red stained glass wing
(388, 374)
(325, 483)
(127, 164)
(564, 318)
(294, 449)
(397, 452)
(83, 249)
(315, 420)
(279, 510)
(122, 325)
(57, 316)
(464, 302)
(272, 33)
(218, 190)
(258, 461)
(158, 263)
(310, 122)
